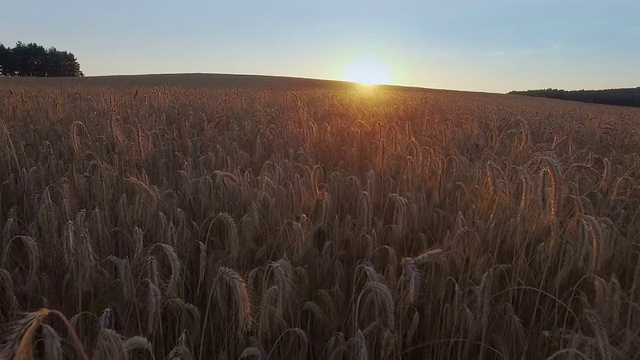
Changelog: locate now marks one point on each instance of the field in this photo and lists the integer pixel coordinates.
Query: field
(293, 220)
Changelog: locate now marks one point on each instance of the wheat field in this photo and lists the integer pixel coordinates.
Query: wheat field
(169, 222)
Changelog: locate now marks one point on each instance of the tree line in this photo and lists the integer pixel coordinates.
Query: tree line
(34, 60)
(623, 97)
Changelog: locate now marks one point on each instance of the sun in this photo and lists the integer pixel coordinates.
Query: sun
(367, 71)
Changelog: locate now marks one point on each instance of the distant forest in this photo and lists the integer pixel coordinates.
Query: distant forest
(34, 60)
(623, 97)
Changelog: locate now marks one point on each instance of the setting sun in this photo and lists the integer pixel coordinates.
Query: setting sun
(367, 71)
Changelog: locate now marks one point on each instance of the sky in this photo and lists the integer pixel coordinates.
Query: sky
(476, 45)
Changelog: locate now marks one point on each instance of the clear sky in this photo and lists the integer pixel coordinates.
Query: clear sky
(483, 45)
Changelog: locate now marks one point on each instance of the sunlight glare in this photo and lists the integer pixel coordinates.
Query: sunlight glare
(367, 71)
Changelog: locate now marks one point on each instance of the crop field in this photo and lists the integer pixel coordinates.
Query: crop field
(316, 222)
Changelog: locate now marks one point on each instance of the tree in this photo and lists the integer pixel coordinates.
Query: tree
(18, 60)
(55, 62)
(5, 53)
(71, 67)
(61, 63)
(34, 60)
(36, 57)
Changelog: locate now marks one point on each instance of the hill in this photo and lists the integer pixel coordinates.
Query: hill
(204, 80)
(622, 97)
(179, 80)
(191, 80)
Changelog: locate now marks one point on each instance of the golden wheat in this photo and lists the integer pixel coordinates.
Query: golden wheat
(319, 223)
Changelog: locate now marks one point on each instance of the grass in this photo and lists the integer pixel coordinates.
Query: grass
(184, 221)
